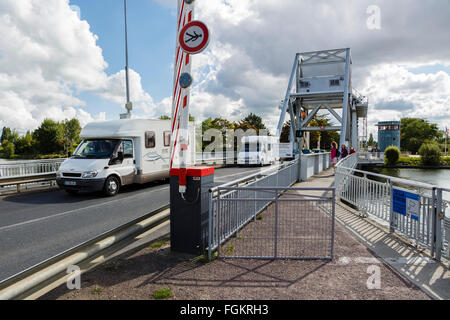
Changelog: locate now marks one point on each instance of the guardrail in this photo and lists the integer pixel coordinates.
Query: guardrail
(28, 168)
(284, 175)
(27, 282)
(373, 195)
(26, 172)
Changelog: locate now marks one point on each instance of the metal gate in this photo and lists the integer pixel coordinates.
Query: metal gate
(275, 223)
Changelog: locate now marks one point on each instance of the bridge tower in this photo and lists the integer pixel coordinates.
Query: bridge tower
(321, 80)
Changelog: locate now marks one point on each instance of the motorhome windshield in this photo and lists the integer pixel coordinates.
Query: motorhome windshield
(96, 149)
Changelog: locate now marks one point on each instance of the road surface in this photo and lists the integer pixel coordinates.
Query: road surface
(36, 226)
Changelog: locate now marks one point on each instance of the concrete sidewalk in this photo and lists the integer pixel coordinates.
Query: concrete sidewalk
(429, 275)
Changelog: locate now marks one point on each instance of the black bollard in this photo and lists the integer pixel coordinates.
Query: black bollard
(189, 214)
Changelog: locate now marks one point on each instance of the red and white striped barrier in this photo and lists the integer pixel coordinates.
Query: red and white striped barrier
(180, 100)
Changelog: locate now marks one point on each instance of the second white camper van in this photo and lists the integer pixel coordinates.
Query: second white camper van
(121, 152)
(258, 150)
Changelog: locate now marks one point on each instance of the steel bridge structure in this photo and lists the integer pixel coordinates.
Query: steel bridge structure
(322, 80)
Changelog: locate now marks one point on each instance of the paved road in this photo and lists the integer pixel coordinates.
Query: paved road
(37, 226)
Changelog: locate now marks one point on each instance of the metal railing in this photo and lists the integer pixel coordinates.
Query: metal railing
(371, 157)
(349, 162)
(284, 175)
(28, 168)
(215, 158)
(372, 194)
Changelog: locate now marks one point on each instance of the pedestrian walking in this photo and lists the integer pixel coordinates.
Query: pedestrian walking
(334, 153)
(344, 151)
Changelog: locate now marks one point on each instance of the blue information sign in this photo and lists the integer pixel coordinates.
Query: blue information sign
(406, 203)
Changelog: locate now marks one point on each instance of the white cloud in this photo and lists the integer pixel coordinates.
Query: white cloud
(254, 42)
(47, 57)
(143, 103)
(395, 93)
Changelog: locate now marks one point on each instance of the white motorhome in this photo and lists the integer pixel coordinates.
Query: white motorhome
(258, 150)
(121, 152)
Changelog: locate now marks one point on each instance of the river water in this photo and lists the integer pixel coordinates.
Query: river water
(437, 177)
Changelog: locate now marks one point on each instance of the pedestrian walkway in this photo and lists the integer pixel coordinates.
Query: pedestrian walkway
(429, 275)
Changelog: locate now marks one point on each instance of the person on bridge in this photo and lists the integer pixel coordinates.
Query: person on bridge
(344, 151)
(334, 153)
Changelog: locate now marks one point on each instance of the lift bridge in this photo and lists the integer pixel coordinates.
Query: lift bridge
(322, 80)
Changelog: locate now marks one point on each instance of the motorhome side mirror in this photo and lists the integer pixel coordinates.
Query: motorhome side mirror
(116, 159)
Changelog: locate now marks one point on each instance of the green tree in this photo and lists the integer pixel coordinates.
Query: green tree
(392, 155)
(72, 130)
(9, 135)
(285, 132)
(326, 137)
(371, 141)
(165, 117)
(218, 124)
(49, 137)
(431, 154)
(8, 149)
(6, 135)
(25, 145)
(414, 132)
(252, 121)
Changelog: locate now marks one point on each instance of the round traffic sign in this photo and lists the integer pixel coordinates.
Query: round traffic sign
(194, 37)
(185, 80)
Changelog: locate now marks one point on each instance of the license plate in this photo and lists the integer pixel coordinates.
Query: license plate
(70, 183)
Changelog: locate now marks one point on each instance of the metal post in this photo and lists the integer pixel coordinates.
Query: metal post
(126, 58)
(345, 105)
(433, 221)
(275, 254)
(218, 219)
(254, 197)
(438, 216)
(210, 225)
(333, 208)
(392, 218)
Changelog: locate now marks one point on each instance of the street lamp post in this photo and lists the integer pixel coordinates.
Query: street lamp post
(128, 105)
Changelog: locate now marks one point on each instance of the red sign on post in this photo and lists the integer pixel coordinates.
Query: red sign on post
(194, 37)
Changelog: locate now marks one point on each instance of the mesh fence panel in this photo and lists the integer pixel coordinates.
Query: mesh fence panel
(295, 225)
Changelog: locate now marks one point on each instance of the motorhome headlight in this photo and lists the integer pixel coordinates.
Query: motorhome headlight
(89, 174)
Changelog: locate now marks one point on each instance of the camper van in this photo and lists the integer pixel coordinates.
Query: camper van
(258, 150)
(117, 153)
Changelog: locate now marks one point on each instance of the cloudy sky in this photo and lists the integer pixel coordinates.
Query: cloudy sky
(62, 59)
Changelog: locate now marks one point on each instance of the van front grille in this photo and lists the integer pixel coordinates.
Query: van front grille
(72, 175)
